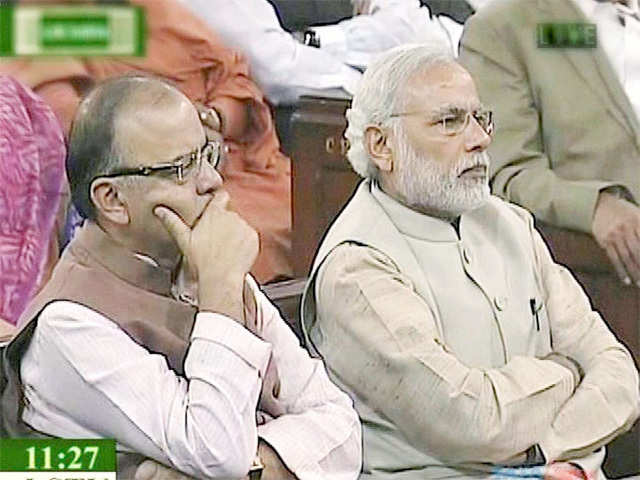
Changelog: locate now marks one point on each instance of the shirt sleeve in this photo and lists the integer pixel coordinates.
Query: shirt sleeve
(82, 373)
(610, 383)
(357, 40)
(281, 65)
(314, 427)
(520, 168)
(380, 339)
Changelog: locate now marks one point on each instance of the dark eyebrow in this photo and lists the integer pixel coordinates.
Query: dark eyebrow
(453, 109)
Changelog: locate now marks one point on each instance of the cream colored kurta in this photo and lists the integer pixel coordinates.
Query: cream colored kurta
(434, 337)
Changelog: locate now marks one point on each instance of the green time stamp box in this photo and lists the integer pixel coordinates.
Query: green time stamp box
(57, 459)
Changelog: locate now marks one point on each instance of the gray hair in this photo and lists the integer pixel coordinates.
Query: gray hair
(380, 94)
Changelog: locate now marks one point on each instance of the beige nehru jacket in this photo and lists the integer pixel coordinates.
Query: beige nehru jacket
(434, 337)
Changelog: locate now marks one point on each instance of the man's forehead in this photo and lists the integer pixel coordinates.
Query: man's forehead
(442, 87)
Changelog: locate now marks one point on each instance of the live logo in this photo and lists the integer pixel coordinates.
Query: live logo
(567, 35)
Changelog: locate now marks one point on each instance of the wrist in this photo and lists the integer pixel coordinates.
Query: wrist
(222, 295)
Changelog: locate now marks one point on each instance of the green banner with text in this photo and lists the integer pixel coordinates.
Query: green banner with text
(64, 30)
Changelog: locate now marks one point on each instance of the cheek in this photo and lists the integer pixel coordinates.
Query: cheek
(444, 150)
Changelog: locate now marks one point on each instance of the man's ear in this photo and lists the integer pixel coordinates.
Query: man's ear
(377, 145)
(109, 200)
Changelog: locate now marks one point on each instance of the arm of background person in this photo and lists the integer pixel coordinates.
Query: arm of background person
(521, 171)
(607, 401)
(357, 40)
(280, 64)
(315, 429)
(84, 372)
(397, 360)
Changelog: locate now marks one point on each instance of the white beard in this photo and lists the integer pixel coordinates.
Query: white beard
(435, 188)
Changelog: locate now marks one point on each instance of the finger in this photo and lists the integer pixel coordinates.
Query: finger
(635, 248)
(617, 264)
(174, 224)
(146, 470)
(631, 257)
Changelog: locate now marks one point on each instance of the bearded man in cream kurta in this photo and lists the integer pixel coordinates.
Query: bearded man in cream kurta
(467, 350)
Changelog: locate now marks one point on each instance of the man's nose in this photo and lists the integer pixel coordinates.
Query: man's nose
(477, 138)
(209, 179)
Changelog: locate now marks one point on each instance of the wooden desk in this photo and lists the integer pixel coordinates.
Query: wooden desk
(323, 182)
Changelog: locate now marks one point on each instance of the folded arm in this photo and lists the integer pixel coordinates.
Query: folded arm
(314, 428)
(400, 364)
(606, 403)
(84, 376)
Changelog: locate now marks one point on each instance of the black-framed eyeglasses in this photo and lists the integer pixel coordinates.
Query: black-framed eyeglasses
(183, 165)
(455, 122)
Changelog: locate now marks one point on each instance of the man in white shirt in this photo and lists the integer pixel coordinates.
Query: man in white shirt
(151, 331)
(568, 142)
(284, 68)
(469, 353)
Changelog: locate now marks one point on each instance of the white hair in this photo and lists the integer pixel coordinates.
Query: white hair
(380, 93)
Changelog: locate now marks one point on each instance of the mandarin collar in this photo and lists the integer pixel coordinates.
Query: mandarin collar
(412, 223)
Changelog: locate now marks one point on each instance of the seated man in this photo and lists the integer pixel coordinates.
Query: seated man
(32, 189)
(150, 327)
(184, 50)
(467, 350)
(568, 146)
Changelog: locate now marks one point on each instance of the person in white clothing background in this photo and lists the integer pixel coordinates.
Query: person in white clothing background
(284, 67)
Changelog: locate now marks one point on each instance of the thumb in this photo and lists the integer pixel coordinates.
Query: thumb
(179, 230)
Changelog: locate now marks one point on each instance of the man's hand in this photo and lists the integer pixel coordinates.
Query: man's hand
(152, 470)
(274, 467)
(220, 250)
(616, 228)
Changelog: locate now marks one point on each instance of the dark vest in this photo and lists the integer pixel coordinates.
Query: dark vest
(100, 274)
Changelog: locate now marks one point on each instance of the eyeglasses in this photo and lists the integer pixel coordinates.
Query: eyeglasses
(182, 165)
(454, 123)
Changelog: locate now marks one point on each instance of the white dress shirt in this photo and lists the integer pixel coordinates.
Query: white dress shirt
(84, 377)
(284, 68)
(618, 29)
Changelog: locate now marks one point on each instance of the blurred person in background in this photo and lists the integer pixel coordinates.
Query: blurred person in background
(32, 195)
(320, 56)
(185, 51)
(567, 142)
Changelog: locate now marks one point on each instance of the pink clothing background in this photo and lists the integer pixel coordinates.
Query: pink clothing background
(32, 154)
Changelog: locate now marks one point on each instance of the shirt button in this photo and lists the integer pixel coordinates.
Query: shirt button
(500, 302)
